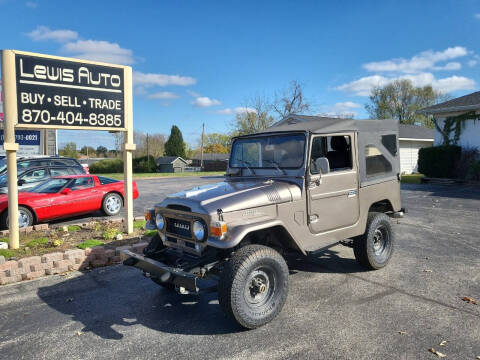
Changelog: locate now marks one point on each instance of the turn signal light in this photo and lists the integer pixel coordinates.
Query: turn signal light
(148, 214)
(218, 229)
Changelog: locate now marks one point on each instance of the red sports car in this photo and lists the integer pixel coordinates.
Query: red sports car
(66, 196)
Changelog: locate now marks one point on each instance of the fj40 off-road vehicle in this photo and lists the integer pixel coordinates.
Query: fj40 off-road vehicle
(301, 185)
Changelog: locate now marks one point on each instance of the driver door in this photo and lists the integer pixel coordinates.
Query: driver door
(333, 197)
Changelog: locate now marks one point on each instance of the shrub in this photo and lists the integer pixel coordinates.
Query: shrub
(110, 233)
(107, 166)
(144, 164)
(439, 161)
(464, 164)
(38, 242)
(474, 171)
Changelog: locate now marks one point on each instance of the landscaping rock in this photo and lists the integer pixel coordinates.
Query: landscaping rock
(3, 245)
(119, 237)
(40, 227)
(2, 260)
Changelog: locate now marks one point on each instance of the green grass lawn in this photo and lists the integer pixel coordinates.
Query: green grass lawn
(119, 176)
(412, 178)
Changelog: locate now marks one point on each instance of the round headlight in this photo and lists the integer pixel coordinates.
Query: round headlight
(198, 230)
(160, 221)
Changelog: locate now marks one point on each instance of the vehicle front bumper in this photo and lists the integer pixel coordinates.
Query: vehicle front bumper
(183, 281)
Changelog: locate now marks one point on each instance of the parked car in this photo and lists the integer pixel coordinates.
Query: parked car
(298, 187)
(33, 176)
(66, 196)
(24, 163)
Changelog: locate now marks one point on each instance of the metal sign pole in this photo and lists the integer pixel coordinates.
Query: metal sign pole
(10, 111)
(128, 148)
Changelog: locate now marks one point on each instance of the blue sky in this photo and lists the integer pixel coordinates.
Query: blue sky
(199, 61)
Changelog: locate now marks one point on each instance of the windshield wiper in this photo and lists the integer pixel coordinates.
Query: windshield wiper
(274, 163)
(247, 165)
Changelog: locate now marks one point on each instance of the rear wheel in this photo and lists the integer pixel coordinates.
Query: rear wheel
(253, 286)
(374, 249)
(112, 204)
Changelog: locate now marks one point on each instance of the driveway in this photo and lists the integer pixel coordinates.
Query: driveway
(335, 309)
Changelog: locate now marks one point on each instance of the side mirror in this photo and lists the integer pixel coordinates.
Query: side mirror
(323, 165)
(20, 182)
(66, 191)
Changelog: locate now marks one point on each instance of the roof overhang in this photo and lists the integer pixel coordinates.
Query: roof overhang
(449, 109)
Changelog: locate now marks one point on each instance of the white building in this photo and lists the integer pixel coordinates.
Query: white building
(411, 139)
(468, 104)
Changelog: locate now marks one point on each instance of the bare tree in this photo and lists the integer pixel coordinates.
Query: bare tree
(291, 101)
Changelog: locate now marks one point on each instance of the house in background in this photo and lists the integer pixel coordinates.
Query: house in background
(411, 139)
(468, 104)
(211, 161)
(171, 164)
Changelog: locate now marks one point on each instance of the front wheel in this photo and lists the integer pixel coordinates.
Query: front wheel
(25, 218)
(112, 204)
(253, 286)
(374, 249)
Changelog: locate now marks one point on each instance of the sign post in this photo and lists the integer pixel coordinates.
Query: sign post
(42, 91)
(10, 146)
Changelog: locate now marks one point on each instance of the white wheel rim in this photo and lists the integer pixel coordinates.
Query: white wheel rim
(113, 204)
(23, 219)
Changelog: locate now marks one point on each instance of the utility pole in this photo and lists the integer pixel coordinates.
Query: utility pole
(201, 155)
(148, 155)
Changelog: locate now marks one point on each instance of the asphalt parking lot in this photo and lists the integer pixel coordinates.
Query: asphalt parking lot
(335, 309)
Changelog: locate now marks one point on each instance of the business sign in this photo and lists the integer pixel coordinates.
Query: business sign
(68, 93)
(28, 141)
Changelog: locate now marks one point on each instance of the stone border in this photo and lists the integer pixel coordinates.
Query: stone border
(38, 227)
(61, 262)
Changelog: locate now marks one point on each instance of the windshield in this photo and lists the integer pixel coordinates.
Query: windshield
(3, 164)
(269, 152)
(50, 186)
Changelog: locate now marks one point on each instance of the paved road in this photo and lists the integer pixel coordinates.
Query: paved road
(150, 191)
(335, 310)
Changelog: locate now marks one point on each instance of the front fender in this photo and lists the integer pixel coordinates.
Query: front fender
(238, 233)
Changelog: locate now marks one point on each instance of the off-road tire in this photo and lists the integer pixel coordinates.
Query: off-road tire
(250, 264)
(29, 218)
(112, 197)
(366, 247)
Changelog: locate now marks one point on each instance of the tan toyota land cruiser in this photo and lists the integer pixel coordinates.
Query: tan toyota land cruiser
(303, 184)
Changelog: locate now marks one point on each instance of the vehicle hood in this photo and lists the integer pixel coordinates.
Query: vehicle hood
(235, 195)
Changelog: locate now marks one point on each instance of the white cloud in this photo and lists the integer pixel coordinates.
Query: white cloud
(163, 95)
(237, 110)
(43, 33)
(426, 60)
(31, 4)
(472, 63)
(364, 85)
(99, 51)
(150, 79)
(204, 101)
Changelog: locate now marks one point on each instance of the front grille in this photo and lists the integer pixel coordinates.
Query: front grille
(179, 227)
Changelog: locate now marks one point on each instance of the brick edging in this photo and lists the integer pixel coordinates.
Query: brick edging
(33, 267)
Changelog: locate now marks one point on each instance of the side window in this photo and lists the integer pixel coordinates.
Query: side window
(390, 143)
(34, 176)
(376, 163)
(82, 183)
(59, 171)
(337, 149)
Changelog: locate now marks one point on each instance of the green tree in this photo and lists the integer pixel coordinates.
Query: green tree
(102, 150)
(87, 150)
(401, 100)
(70, 150)
(174, 145)
(253, 119)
